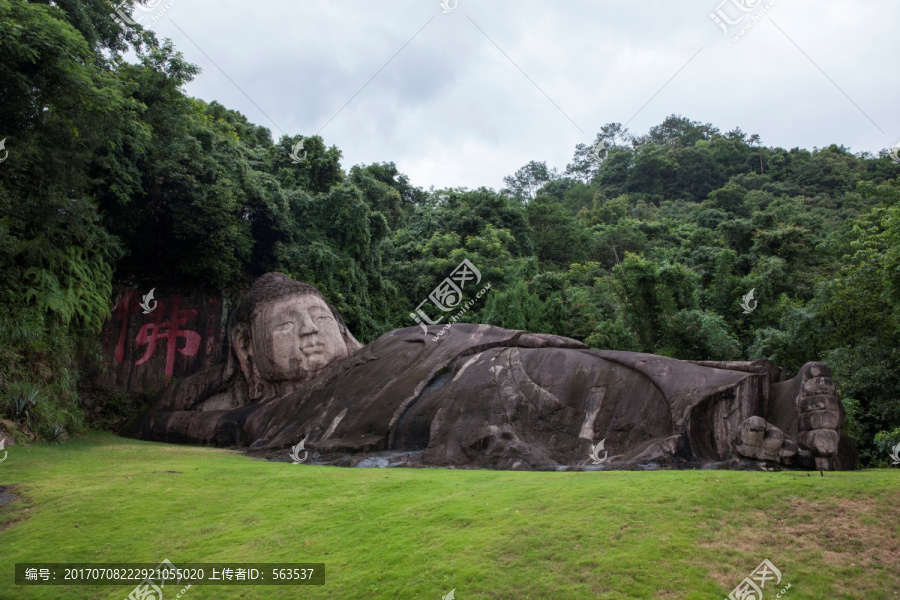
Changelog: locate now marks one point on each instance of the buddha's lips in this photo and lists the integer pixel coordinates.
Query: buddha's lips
(313, 349)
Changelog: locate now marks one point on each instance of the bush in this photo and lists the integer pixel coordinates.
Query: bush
(888, 445)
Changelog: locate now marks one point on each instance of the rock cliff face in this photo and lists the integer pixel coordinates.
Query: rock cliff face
(488, 397)
(156, 335)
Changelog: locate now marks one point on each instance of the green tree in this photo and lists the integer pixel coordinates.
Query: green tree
(527, 181)
(557, 237)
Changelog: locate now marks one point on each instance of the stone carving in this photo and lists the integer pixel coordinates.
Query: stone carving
(488, 397)
(148, 342)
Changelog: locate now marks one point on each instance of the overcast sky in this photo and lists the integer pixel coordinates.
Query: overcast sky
(466, 97)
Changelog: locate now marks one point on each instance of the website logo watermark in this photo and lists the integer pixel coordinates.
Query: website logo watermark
(3, 148)
(745, 303)
(599, 152)
(125, 19)
(448, 295)
(151, 588)
(5, 451)
(595, 453)
(148, 298)
(751, 587)
(461, 312)
(448, 6)
(296, 159)
(450, 596)
(295, 452)
(895, 454)
(894, 154)
(737, 17)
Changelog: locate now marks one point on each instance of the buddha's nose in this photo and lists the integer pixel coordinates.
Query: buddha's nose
(308, 326)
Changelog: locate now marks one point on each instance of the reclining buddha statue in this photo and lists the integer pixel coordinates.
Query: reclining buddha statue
(481, 396)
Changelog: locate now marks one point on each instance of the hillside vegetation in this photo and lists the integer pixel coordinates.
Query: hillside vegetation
(115, 174)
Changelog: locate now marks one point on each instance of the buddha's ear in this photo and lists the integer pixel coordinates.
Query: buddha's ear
(241, 345)
(351, 342)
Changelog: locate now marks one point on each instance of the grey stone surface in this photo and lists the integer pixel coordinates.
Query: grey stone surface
(487, 397)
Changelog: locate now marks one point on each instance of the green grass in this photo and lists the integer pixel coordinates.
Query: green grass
(418, 533)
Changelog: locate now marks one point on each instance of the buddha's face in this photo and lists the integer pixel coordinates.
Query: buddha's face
(295, 336)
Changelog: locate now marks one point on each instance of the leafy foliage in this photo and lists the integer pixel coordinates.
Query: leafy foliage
(115, 171)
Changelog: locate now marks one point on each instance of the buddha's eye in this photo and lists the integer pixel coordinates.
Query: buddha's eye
(284, 326)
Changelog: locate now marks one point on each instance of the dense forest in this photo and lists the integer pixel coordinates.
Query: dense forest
(114, 174)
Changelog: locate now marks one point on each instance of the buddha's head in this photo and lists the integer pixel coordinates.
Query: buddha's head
(284, 333)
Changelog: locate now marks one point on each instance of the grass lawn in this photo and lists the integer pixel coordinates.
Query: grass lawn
(419, 533)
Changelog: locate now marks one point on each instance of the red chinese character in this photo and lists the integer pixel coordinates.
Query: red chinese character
(170, 321)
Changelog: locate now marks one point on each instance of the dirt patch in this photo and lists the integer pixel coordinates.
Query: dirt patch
(6, 495)
(13, 506)
(841, 535)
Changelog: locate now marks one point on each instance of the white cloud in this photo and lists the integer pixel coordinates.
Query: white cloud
(451, 110)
